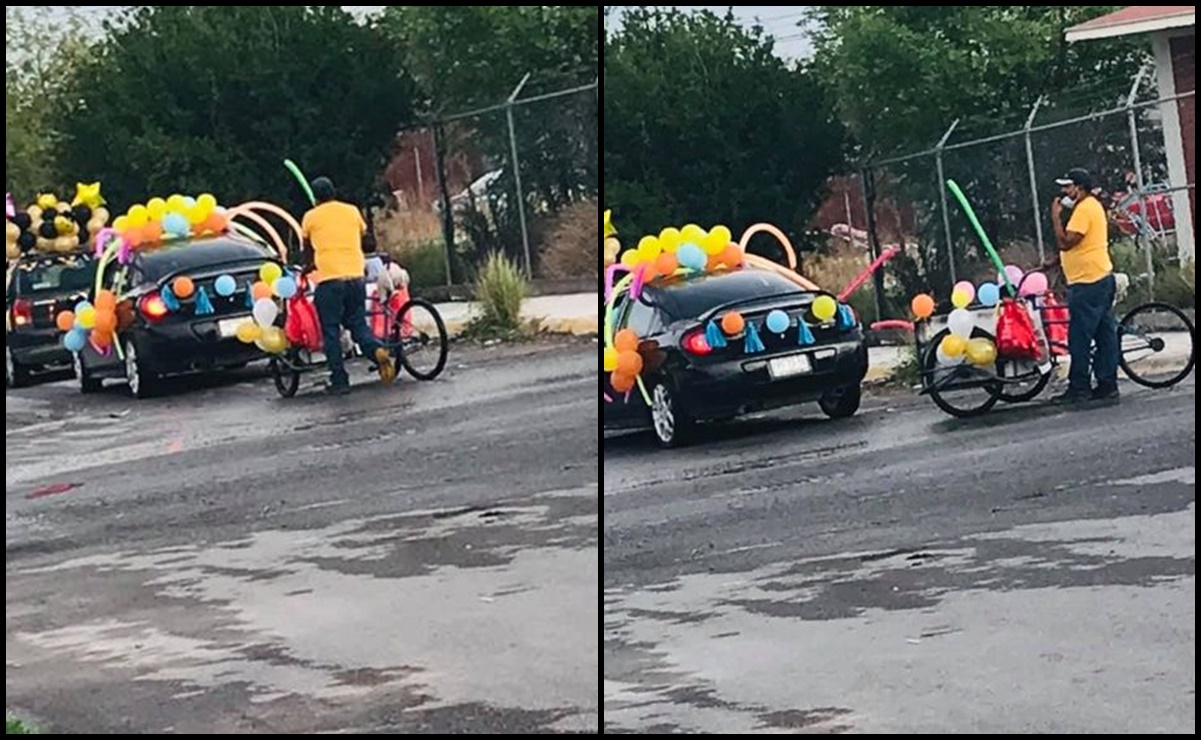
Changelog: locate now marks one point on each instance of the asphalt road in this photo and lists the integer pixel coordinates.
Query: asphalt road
(902, 573)
(410, 560)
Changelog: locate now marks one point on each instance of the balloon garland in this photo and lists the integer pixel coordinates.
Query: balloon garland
(54, 226)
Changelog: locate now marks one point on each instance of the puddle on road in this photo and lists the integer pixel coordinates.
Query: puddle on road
(491, 607)
(977, 635)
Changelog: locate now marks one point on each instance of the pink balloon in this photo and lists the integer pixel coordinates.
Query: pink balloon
(1013, 273)
(967, 287)
(1035, 284)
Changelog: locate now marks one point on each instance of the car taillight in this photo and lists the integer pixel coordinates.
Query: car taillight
(153, 308)
(694, 343)
(22, 313)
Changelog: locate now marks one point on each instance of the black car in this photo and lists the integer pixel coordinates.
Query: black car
(168, 341)
(689, 381)
(39, 286)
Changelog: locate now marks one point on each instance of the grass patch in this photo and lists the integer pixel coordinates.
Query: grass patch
(425, 261)
(500, 290)
(16, 727)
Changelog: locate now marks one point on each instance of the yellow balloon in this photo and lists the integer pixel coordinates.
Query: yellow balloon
(671, 239)
(954, 345)
(47, 201)
(208, 202)
(196, 215)
(631, 258)
(138, 216)
(825, 308)
(692, 234)
(249, 332)
(649, 248)
(273, 341)
(270, 272)
(981, 352)
(960, 298)
(86, 318)
(157, 207)
(121, 224)
(720, 237)
(177, 203)
(610, 359)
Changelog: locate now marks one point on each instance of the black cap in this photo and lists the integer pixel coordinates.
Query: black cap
(1076, 176)
(323, 189)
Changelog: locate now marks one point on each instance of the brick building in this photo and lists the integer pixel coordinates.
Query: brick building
(1172, 31)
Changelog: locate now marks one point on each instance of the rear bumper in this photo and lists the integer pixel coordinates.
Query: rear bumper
(743, 386)
(178, 350)
(35, 348)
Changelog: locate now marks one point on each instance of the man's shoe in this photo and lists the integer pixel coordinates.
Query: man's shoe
(337, 390)
(1107, 394)
(1071, 398)
(387, 368)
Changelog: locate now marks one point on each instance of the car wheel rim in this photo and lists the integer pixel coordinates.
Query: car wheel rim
(131, 370)
(662, 415)
(9, 366)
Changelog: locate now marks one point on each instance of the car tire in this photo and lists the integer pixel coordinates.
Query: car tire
(842, 403)
(15, 376)
(671, 424)
(87, 384)
(142, 384)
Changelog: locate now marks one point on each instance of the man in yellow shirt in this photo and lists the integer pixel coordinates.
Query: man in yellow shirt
(333, 233)
(1092, 289)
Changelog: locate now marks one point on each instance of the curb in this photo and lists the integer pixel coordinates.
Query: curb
(561, 327)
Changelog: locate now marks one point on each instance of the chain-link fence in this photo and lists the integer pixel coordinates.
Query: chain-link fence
(518, 178)
(1132, 144)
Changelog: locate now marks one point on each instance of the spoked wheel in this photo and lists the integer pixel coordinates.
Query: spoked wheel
(285, 375)
(961, 391)
(1033, 382)
(1157, 345)
(420, 341)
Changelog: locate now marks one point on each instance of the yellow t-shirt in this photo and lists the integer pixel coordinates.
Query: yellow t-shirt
(336, 231)
(1089, 261)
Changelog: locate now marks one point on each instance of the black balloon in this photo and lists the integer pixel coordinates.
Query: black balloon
(27, 241)
(82, 214)
(23, 221)
(47, 230)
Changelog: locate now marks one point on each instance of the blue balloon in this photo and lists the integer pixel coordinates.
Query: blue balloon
(285, 287)
(75, 340)
(225, 286)
(81, 307)
(692, 257)
(989, 294)
(778, 322)
(176, 224)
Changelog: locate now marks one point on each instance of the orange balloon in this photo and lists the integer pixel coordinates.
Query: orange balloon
(625, 341)
(152, 233)
(629, 363)
(183, 287)
(666, 264)
(923, 306)
(215, 224)
(106, 321)
(622, 383)
(106, 300)
(713, 262)
(135, 237)
(102, 339)
(261, 290)
(65, 321)
(733, 323)
(731, 256)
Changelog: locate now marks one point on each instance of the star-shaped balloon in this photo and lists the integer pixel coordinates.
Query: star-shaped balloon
(10, 208)
(88, 195)
(609, 230)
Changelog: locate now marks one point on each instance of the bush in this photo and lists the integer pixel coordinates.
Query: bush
(425, 261)
(16, 727)
(501, 289)
(571, 247)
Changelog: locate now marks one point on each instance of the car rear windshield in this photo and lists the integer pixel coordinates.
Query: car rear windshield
(54, 276)
(191, 257)
(693, 298)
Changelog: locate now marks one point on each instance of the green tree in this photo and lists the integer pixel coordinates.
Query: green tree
(703, 122)
(213, 98)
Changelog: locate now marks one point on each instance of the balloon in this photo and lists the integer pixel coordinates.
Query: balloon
(778, 322)
(270, 272)
(88, 194)
(152, 233)
(967, 287)
(692, 257)
(922, 306)
(610, 359)
(630, 258)
(183, 287)
(692, 234)
(106, 300)
(225, 286)
(946, 360)
(718, 239)
(626, 341)
(1034, 283)
(273, 341)
(47, 201)
(825, 308)
(670, 239)
(265, 312)
(216, 223)
(261, 291)
(65, 321)
(731, 256)
(1013, 273)
(981, 352)
(622, 383)
(989, 294)
(629, 363)
(75, 340)
(953, 345)
(666, 264)
(196, 215)
(138, 216)
(176, 224)
(208, 202)
(176, 203)
(960, 298)
(285, 287)
(733, 323)
(121, 224)
(157, 207)
(961, 323)
(86, 318)
(649, 248)
(249, 332)
(106, 321)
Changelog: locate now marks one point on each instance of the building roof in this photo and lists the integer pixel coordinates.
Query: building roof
(1134, 20)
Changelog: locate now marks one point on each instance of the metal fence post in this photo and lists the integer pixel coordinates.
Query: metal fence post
(525, 231)
(1132, 117)
(1038, 218)
(942, 198)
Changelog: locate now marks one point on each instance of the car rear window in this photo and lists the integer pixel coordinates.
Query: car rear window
(698, 296)
(188, 257)
(55, 276)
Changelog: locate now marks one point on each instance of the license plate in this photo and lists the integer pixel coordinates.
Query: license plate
(789, 367)
(228, 329)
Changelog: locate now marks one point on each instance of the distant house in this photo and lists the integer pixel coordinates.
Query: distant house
(1173, 34)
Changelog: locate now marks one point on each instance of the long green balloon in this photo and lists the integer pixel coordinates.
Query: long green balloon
(975, 222)
(300, 178)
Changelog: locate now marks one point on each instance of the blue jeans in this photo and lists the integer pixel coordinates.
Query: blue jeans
(1093, 325)
(343, 304)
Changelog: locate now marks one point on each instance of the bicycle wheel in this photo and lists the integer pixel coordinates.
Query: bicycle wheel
(961, 391)
(1025, 391)
(420, 341)
(286, 376)
(1157, 345)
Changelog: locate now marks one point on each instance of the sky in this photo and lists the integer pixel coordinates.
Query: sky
(778, 20)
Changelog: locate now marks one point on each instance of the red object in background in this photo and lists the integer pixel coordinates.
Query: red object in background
(1055, 321)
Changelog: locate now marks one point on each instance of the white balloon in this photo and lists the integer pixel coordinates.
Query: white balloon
(961, 323)
(265, 312)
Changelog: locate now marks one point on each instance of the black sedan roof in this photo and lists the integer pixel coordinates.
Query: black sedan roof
(199, 254)
(693, 297)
